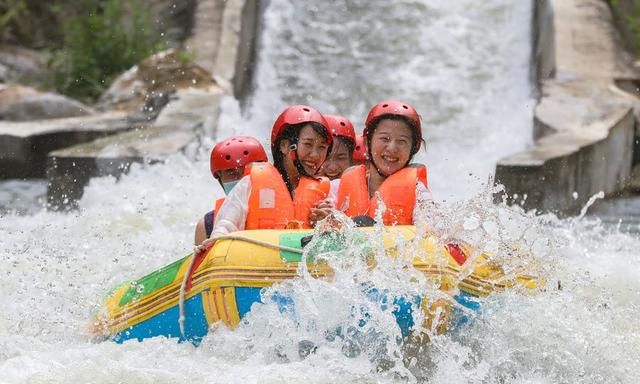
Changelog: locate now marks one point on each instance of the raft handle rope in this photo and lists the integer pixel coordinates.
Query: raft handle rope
(187, 273)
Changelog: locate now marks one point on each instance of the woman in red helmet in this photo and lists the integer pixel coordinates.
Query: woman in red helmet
(287, 194)
(392, 136)
(344, 141)
(228, 160)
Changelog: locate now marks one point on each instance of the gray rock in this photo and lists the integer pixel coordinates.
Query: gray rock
(153, 81)
(23, 64)
(18, 103)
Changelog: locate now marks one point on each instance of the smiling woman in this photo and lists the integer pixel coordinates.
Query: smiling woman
(344, 142)
(303, 149)
(391, 144)
(393, 135)
(285, 194)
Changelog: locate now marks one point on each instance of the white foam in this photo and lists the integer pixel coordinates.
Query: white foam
(464, 64)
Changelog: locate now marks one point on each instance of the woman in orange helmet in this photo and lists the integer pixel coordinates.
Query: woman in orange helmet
(392, 136)
(227, 162)
(287, 194)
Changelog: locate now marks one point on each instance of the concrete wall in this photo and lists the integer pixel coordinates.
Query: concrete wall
(561, 174)
(583, 124)
(224, 41)
(247, 49)
(24, 145)
(543, 54)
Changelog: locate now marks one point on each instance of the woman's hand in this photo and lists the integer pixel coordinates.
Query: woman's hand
(326, 203)
(320, 211)
(318, 214)
(204, 246)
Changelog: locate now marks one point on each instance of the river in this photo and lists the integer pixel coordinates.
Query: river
(464, 65)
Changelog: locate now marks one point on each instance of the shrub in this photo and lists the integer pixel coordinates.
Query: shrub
(106, 38)
(627, 16)
(30, 23)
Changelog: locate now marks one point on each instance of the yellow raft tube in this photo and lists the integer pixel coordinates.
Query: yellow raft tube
(185, 298)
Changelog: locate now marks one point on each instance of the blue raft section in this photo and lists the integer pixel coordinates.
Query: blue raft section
(196, 326)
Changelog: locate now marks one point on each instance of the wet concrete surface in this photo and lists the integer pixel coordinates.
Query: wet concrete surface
(623, 212)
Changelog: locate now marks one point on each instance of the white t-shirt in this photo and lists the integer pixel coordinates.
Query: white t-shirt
(232, 215)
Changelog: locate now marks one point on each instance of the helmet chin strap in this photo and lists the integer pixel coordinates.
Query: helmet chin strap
(375, 166)
(293, 155)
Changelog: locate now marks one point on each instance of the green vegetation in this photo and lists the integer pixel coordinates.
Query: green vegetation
(185, 57)
(627, 16)
(92, 41)
(32, 23)
(108, 38)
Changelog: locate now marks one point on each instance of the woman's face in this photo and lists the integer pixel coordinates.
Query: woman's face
(312, 151)
(229, 178)
(391, 145)
(229, 175)
(338, 160)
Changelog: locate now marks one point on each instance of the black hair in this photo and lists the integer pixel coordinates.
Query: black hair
(350, 144)
(292, 134)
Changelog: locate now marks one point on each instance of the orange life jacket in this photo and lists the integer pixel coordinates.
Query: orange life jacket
(398, 192)
(271, 205)
(216, 208)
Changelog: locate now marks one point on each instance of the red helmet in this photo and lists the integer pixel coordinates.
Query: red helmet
(359, 150)
(341, 126)
(236, 152)
(297, 114)
(395, 108)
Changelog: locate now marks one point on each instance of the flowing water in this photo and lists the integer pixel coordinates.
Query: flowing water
(464, 65)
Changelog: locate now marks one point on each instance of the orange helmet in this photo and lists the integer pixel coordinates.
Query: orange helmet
(359, 150)
(297, 114)
(341, 126)
(236, 152)
(395, 108)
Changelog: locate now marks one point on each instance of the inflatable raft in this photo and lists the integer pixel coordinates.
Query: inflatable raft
(185, 298)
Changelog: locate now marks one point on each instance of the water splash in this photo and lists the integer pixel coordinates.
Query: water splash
(590, 202)
(465, 66)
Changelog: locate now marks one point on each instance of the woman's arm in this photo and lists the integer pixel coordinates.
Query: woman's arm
(233, 213)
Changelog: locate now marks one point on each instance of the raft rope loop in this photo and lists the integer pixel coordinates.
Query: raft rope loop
(187, 273)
